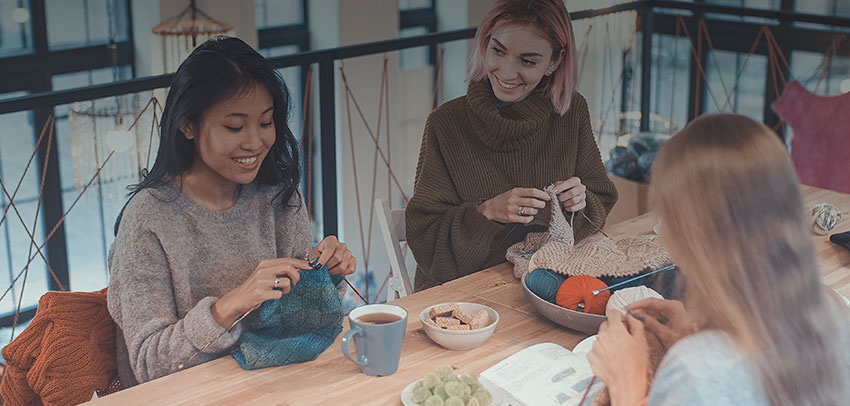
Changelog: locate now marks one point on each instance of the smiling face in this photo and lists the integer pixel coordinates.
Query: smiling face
(516, 60)
(233, 138)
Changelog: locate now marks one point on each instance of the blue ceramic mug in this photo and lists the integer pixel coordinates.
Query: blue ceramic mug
(378, 333)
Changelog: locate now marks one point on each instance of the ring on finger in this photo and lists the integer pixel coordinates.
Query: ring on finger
(276, 282)
(521, 210)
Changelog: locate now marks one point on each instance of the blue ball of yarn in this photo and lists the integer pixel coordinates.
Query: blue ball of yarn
(544, 283)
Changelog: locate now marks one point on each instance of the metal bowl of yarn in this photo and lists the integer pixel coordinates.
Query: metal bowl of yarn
(571, 319)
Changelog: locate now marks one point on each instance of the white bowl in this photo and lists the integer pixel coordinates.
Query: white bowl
(460, 340)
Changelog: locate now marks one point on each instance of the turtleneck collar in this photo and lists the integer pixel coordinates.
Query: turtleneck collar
(511, 126)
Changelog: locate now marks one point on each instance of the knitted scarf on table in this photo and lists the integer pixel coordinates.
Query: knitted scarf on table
(296, 328)
(595, 256)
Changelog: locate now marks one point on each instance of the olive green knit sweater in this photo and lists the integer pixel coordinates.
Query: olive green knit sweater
(472, 151)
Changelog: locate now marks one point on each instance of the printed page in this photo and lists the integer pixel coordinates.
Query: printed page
(542, 375)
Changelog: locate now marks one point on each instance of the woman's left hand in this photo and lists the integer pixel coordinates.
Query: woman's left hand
(571, 194)
(335, 255)
(620, 358)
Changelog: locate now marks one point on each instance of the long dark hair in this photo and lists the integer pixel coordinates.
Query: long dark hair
(214, 71)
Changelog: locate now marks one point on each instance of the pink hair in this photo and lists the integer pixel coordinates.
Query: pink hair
(551, 19)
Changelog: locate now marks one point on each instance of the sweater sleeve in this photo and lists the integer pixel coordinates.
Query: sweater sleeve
(706, 369)
(448, 236)
(141, 301)
(601, 192)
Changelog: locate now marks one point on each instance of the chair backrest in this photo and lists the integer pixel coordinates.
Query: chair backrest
(391, 223)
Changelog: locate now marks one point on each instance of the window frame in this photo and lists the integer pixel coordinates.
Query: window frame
(33, 72)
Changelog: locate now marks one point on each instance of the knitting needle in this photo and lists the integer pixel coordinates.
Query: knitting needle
(663, 268)
(588, 390)
(227, 330)
(631, 312)
(591, 222)
(315, 264)
(356, 291)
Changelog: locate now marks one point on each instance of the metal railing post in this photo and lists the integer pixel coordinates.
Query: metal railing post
(327, 111)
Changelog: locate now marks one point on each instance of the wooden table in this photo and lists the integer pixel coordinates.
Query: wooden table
(334, 380)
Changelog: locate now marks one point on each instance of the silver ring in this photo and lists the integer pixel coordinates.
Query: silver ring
(276, 282)
(521, 210)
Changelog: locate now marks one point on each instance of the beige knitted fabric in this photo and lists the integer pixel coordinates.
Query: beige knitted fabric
(595, 255)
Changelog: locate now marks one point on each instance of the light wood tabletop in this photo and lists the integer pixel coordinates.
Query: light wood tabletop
(334, 380)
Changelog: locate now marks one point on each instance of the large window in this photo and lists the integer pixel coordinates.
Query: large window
(736, 83)
(65, 51)
(15, 27)
(15, 242)
(417, 17)
(671, 64)
(275, 13)
(88, 227)
(76, 23)
(840, 8)
(282, 30)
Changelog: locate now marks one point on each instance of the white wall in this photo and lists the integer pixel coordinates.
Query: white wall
(364, 78)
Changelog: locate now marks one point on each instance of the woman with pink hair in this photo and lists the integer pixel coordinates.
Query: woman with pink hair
(485, 157)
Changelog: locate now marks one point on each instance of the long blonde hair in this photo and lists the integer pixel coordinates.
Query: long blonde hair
(726, 190)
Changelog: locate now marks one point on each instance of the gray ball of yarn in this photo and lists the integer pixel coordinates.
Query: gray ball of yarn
(644, 165)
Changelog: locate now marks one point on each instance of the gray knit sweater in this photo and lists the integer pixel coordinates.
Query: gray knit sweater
(173, 258)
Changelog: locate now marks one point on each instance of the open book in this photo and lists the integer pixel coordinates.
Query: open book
(542, 375)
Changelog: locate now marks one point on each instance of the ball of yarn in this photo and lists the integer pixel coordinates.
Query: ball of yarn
(578, 290)
(823, 218)
(624, 297)
(544, 283)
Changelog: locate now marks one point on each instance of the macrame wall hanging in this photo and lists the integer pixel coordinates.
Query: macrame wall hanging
(101, 126)
(177, 37)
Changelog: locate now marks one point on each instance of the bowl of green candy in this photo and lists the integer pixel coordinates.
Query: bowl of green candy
(445, 388)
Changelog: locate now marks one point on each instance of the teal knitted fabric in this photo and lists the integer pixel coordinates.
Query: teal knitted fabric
(296, 328)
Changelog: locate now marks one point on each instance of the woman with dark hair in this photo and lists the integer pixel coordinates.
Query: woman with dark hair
(486, 156)
(218, 225)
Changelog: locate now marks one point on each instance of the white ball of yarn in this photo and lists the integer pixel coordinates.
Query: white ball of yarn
(823, 218)
(624, 297)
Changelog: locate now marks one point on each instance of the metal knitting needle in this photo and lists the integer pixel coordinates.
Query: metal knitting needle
(227, 330)
(356, 291)
(315, 264)
(663, 268)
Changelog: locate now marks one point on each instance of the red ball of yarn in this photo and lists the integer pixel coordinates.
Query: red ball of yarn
(579, 289)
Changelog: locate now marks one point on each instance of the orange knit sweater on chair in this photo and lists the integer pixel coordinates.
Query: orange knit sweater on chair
(64, 355)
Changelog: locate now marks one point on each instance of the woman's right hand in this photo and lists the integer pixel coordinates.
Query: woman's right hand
(272, 279)
(518, 205)
(667, 319)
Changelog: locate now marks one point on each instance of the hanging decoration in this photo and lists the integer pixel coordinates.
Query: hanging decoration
(99, 127)
(102, 126)
(180, 35)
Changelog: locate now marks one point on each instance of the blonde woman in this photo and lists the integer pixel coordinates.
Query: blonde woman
(757, 327)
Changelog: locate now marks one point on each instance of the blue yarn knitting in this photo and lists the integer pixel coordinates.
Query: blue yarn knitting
(296, 328)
